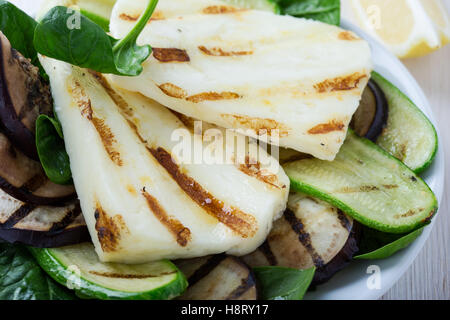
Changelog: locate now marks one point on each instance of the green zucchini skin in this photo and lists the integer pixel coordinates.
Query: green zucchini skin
(89, 290)
(409, 135)
(266, 5)
(416, 189)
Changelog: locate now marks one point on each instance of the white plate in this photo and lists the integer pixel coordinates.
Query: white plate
(351, 283)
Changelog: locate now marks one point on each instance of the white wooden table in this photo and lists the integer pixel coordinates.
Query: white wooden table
(429, 276)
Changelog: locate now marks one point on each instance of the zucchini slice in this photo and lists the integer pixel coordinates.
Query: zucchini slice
(80, 267)
(265, 5)
(409, 135)
(368, 184)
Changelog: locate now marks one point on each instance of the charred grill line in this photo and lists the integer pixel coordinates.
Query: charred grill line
(18, 215)
(243, 224)
(67, 220)
(303, 237)
(268, 253)
(343, 220)
(35, 182)
(205, 269)
(181, 233)
(166, 55)
(129, 276)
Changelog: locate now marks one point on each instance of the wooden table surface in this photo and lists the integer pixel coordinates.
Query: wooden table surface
(429, 276)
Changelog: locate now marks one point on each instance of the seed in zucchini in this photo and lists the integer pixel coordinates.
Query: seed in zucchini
(110, 281)
(409, 135)
(368, 184)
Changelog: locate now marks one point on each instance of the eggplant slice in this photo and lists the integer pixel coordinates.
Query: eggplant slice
(25, 179)
(41, 226)
(371, 117)
(218, 277)
(24, 95)
(310, 234)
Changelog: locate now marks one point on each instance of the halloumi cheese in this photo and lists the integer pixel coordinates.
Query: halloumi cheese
(139, 200)
(297, 80)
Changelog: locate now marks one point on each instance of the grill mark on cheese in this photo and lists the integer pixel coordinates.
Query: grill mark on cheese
(107, 137)
(181, 233)
(246, 283)
(171, 90)
(304, 237)
(345, 222)
(348, 36)
(219, 52)
(409, 213)
(129, 276)
(254, 170)
(345, 83)
(117, 98)
(325, 128)
(109, 229)
(220, 10)
(213, 96)
(240, 222)
(35, 182)
(261, 126)
(166, 55)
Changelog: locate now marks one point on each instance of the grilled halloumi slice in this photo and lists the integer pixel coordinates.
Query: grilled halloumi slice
(142, 203)
(297, 80)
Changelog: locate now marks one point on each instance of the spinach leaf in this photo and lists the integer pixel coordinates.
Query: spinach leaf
(328, 11)
(51, 150)
(380, 245)
(19, 28)
(279, 283)
(21, 278)
(67, 35)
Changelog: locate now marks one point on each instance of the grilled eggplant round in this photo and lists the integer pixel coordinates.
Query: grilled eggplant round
(310, 234)
(372, 114)
(40, 226)
(24, 95)
(218, 277)
(25, 180)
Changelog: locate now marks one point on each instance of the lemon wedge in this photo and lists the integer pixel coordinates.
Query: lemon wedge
(409, 28)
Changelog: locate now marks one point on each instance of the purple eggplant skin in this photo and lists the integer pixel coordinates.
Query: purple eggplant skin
(24, 95)
(24, 179)
(372, 116)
